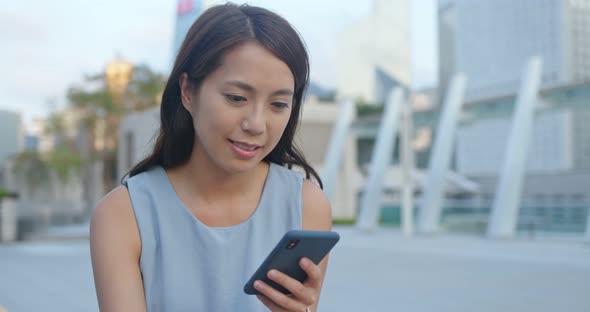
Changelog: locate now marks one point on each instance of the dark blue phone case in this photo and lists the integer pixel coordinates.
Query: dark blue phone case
(314, 245)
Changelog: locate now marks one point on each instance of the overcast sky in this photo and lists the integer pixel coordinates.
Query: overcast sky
(48, 45)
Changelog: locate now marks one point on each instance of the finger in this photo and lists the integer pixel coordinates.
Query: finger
(314, 273)
(294, 286)
(268, 303)
(279, 298)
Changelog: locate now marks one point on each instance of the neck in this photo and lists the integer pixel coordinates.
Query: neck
(202, 178)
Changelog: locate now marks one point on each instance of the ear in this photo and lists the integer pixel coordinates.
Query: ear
(186, 92)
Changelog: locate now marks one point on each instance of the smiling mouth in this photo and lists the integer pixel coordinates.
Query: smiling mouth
(245, 146)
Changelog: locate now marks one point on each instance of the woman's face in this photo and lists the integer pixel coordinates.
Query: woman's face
(241, 109)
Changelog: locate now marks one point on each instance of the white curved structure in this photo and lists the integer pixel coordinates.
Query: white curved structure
(508, 193)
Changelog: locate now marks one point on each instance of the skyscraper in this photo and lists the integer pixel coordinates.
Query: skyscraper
(491, 40)
(11, 134)
(447, 24)
(374, 54)
(187, 11)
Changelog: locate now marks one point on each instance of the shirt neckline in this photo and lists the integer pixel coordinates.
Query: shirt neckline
(186, 210)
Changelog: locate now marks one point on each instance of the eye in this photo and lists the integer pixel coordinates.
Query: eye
(280, 104)
(234, 98)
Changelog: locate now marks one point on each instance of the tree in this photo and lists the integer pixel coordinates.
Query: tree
(145, 88)
(101, 106)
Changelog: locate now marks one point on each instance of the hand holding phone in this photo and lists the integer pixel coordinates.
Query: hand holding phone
(285, 257)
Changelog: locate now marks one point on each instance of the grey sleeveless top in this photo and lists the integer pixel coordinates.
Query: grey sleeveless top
(189, 266)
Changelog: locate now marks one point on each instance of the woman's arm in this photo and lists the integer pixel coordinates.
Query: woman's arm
(317, 215)
(115, 247)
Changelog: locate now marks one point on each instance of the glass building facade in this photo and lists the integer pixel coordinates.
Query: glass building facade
(491, 40)
(555, 196)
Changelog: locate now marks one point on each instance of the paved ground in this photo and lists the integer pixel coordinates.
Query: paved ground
(382, 271)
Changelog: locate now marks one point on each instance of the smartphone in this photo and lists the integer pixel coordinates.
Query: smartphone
(285, 257)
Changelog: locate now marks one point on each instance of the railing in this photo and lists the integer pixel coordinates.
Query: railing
(532, 220)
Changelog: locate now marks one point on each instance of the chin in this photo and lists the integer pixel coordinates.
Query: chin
(240, 166)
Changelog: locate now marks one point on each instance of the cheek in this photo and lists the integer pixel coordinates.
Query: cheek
(210, 115)
(212, 129)
(209, 123)
(278, 127)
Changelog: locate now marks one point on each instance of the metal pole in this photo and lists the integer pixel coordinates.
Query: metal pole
(407, 160)
(587, 236)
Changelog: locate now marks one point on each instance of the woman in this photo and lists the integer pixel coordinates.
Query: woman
(199, 215)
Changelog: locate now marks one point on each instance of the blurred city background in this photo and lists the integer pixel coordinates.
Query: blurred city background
(453, 137)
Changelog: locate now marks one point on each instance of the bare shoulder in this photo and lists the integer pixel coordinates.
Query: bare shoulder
(114, 214)
(115, 247)
(317, 212)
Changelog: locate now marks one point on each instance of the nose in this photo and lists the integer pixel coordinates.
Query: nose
(254, 122)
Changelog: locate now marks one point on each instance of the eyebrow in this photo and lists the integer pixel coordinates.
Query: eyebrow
(246, 87)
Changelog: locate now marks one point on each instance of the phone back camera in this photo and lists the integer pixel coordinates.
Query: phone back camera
(292, 244)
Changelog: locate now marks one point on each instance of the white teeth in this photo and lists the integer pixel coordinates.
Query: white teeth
(244, 147)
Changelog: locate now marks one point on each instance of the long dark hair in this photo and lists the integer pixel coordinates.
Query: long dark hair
(214, 32)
